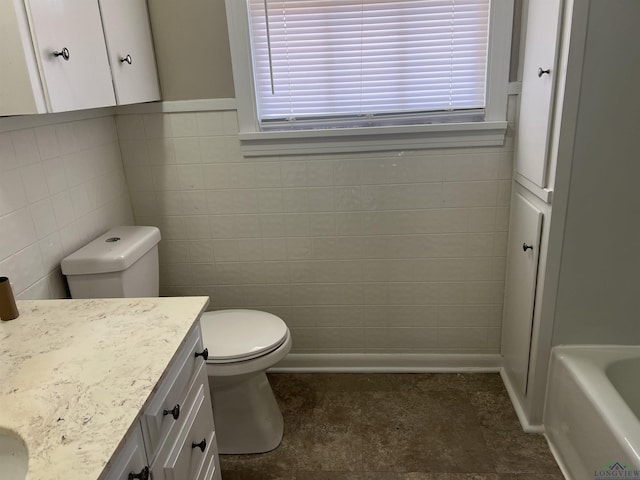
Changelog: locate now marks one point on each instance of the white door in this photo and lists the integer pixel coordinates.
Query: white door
(71, 53)
(130, 46)
(522, 269)
(538, 79)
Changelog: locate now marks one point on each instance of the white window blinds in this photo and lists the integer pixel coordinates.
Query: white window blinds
(336, 59)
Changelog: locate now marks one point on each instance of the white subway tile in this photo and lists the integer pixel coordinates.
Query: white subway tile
(51, 252)
(248, 226)
(190, 177)
(8, 160)
(160, 151)
(12, 192)
(470, 194)
(194, 202)
(267, 175)
(225, 250)
(213, 150)
(47, 141)
(173, 251)
(156, 125)
(25, 147)
(44, 219)
(187, 150)
(197, 227)
(183, 124)
(210, 123)
(129, 127)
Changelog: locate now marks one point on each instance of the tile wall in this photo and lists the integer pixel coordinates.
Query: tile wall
(61, 185)
(383, 252)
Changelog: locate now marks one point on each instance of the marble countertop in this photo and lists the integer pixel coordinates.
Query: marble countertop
(75, 374)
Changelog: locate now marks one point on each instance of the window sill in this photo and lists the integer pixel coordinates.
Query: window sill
(350, 140)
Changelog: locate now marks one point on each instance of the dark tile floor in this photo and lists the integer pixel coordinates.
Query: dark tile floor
(396, 427)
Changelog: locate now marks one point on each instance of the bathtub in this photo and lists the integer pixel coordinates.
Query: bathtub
(592, 411)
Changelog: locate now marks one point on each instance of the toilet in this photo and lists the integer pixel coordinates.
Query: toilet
(242, 344)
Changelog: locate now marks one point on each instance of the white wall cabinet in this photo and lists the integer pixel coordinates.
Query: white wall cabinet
(175, 438)
(66, 55)
(130, 48)
(71, 52)
(538, 82)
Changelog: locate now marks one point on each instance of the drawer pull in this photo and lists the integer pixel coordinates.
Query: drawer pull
(143, 475)
(204, 354)
(526, 247)
(126, 59)
(175, 412)
(202, 445)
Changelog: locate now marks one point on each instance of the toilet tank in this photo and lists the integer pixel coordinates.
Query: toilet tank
(121, 263)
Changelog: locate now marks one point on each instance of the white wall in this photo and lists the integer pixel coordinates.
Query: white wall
(597, 299)
(61, 185)
(383, 252)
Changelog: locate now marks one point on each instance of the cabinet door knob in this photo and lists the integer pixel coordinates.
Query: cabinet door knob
(64, 53)
(526, 247)
(143, 475)
(543, 72)
(202, 445)
(204, 354)
(126, 59)
(175, 412)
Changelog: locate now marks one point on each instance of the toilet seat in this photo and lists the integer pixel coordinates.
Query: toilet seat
(239, 335)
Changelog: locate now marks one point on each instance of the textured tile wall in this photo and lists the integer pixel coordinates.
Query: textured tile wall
(61, 185)
(383, 252)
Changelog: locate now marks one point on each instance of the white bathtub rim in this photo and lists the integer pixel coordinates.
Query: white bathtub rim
(600, 391)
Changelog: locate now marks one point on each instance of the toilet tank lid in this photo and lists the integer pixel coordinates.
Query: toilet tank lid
(114, 251)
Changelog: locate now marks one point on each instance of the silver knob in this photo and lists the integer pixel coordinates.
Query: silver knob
(543, 72)
(526, 247)
(126, 59)
(64, 53)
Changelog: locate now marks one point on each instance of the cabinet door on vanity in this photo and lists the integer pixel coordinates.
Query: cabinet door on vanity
(71, 53)
(524, 247)
(130, 47)
(538, 80)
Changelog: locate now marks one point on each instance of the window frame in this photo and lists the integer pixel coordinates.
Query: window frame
(489, 132)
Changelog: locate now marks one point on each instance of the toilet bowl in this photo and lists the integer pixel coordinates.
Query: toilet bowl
(242, 344)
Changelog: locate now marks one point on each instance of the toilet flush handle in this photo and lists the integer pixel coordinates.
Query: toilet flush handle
(204, 354)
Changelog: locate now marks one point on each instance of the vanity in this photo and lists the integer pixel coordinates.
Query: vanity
(106, 389)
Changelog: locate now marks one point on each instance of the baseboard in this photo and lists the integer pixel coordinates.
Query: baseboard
(388, 363)
(515, 400)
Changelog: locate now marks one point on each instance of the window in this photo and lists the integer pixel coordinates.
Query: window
(339, 71)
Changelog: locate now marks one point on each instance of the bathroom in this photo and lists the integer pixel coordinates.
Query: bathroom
(386, 260)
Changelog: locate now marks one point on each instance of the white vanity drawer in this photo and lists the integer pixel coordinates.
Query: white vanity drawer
(196, 442)
(211, 467)
(168, 408)
(131, 459)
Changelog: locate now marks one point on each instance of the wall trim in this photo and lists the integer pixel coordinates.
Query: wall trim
(544, 194)
(202, 105)
(515, 401)
(389, 363)
(19, 122)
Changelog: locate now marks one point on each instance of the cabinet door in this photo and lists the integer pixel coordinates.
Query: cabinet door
(83, 80)
(536, 101)
(130, 47)
(524, 247)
